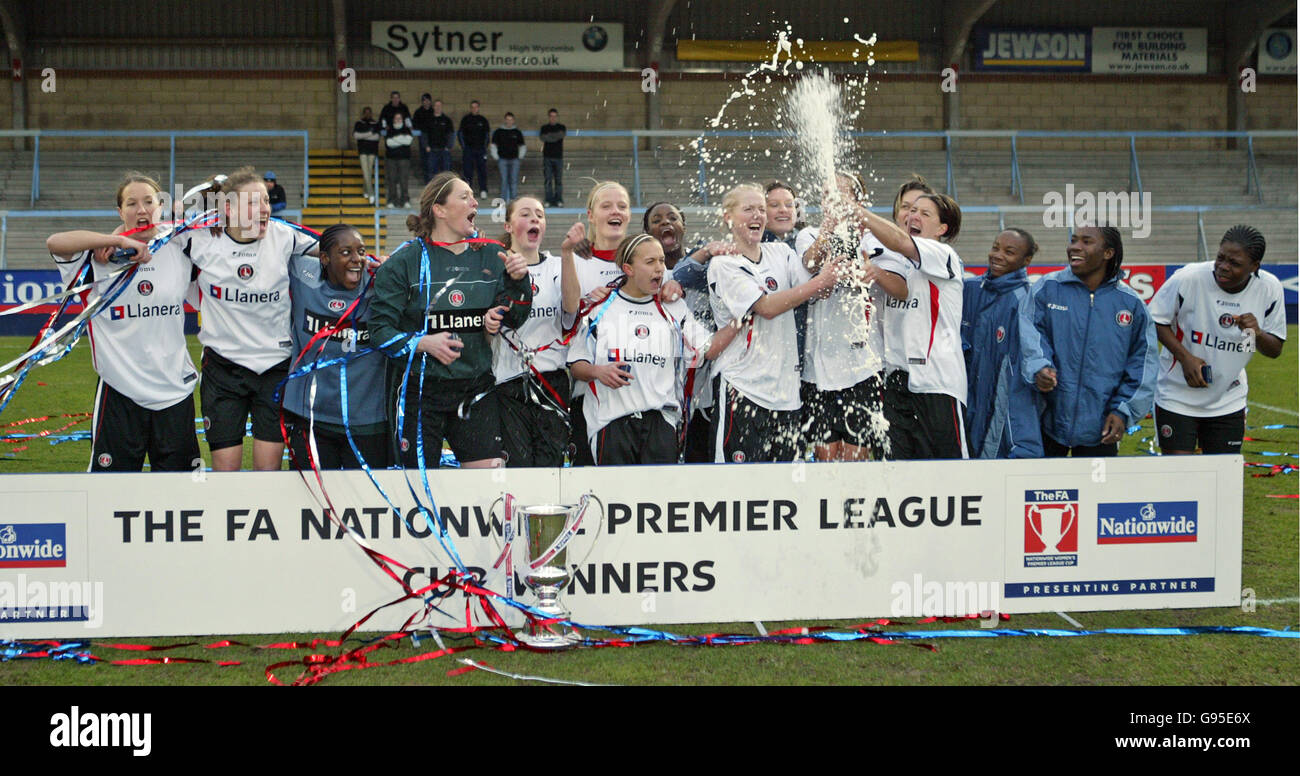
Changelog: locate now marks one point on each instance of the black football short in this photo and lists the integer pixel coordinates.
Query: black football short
(842, 416)
(124, 433)
(1184, 433)
(472, 427)
(231, 393)
(745, 432)
(643, 438)
(534, 427)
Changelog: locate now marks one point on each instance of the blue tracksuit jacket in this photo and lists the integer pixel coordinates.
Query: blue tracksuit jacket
(1103, 347)
(1001, 409)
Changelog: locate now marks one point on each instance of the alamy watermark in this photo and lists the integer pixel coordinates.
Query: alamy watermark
(1121, 209)
(919, 597)
(29, 600)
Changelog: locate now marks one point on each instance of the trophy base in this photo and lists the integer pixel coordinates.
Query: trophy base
(548, 640)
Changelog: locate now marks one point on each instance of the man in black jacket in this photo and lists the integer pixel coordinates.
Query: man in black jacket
(474, 133)
(394, 107)
(552, 134)
(366, 133)
(442, 135)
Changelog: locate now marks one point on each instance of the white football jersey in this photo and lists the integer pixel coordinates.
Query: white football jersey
(245, 292)
(542, 329)
(763, 361)
(655, 347)
(594, 273)
(1204, 318)
(923, 332)
(137, 344)
(845, 343)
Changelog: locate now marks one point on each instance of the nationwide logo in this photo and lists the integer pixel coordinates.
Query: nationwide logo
(457, 298)
(245, 271)
(1227, 320)
(336, 305)
(144, 288)
(33, 545)
(1146, 522)
(1215, 342)
(1051, 528)
(1123, 317)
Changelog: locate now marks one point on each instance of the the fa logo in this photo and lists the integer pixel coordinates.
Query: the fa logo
(144, 288)
(337, 305)
(642, 331)
(245, 271)
(1227, 320)
(1123, 317)
(1001, 334)
(457, 298)
(771, 284)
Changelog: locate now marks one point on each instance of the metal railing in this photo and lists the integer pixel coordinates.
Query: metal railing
(172, 135)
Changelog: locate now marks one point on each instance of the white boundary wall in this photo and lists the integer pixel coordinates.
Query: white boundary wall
(163, 554)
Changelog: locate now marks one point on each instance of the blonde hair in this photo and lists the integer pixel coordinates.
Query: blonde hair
(135, 177)
(624, 254)
(241, 177)
(733, 196)
(601, 186)
(435, 193)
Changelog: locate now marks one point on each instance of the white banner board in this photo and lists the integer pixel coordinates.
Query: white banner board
(162, 554)
(1149, 50)
(501, 45)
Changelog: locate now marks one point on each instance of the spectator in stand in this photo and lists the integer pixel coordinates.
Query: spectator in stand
(366, 133)
(398, 164)
(474, 133)
(279, 201)
(422, 122)
(394, 107)
(442, 136)
(508, 149)
(552, 134)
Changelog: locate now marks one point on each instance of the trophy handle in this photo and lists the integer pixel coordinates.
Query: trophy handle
(492, 513)
(592, 497)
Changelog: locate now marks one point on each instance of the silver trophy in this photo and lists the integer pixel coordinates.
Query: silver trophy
(546, 531)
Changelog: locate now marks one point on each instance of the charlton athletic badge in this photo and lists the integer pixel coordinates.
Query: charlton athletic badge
(1001, 333)
(337, 305)
(105, 460)
(245, 271)
(457, 298)
(738, 456)
(144, 288)
(1227, 320)
(771, 284)
(1123, 317)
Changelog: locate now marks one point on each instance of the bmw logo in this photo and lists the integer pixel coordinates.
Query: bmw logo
(594, 38)
(245, 271)
(144, 288)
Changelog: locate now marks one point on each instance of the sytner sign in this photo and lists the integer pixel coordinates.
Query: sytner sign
(501, 45)
(163, 554)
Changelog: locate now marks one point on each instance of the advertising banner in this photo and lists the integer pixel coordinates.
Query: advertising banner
(1120, 50)
(1277, 52)
(1030, 49)
(501, 45)
(179, 554)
